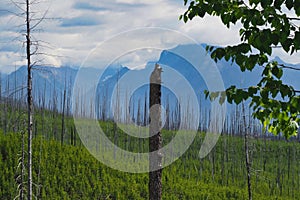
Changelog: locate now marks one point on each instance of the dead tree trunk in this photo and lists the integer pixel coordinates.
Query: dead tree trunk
(29, 101)
(63, 118)
(248, 163)
(155, 139)
(22, 186)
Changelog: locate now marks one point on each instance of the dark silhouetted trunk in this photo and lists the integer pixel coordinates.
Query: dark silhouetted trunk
(155, 141)
(29, 102)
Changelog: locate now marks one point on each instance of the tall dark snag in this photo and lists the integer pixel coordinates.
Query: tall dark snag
(29, 101)
(155, 139)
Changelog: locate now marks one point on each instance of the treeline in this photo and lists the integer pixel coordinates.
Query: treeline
(53, 102)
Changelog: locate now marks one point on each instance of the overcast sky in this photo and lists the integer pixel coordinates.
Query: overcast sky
(76, 27)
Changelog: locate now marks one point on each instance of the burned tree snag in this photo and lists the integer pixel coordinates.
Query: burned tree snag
(155, 139)
(29, 99)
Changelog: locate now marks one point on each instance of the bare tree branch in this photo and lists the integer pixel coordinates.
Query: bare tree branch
(293, 18)
(289, 67)
(18, 6)
(40, 20)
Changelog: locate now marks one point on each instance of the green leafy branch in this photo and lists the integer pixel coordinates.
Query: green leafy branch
(265, 25)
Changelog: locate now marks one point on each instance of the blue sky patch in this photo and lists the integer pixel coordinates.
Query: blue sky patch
(80, 21)
(87, 6)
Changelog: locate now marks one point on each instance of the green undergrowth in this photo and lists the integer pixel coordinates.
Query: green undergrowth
(68, 171)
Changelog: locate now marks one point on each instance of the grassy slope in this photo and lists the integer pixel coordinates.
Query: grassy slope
(70, 172)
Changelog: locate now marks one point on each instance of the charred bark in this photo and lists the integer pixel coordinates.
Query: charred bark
(155, 139)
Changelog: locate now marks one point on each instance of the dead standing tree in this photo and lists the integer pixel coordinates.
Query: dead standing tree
(29, 99)
(32, 49)
(247, 156)
(155, 139)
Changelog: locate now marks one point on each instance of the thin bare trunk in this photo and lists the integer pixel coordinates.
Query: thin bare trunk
(248, 164)
(29, 101)
(63, 118)
(22, 166)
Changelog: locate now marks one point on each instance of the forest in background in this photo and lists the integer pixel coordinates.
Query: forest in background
(63, 168)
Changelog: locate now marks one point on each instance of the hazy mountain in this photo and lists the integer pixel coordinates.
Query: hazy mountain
(180, 66)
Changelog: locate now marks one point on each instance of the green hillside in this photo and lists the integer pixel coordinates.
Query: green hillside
(68, 171)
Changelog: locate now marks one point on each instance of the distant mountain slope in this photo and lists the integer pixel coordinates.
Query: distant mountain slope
(50, 82)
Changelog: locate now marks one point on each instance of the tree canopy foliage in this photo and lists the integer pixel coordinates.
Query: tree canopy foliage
(264, 25)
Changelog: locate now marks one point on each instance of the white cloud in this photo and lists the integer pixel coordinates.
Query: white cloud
(9, 61)
(107, 18)
(211, 30)
(294, 59)
(139, 58)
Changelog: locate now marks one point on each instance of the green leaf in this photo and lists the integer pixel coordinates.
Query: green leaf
(251, 61)
(295, 102)
(287, 44)
(297, 7)
(230, 92)
(292, 129)
(297, 40)
(201, 12)
(244, 48)
(274, 38)
(252, 90)
(255, 2)
(266, 123)
(220, 52)
(289, 4)
(264, 94)
(268, 50)
(265, 3)
(280, 73)
(274, 93)
(240, 96)
(266, 71)
(217, 7)
(192, 14)
(240, 59)
(185, 18)
(278, 3)
(206, 92)
(277, 72)
(225, 19)
(284, 90)
(262, 59)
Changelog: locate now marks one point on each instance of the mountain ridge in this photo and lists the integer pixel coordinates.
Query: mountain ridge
(52, 81)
